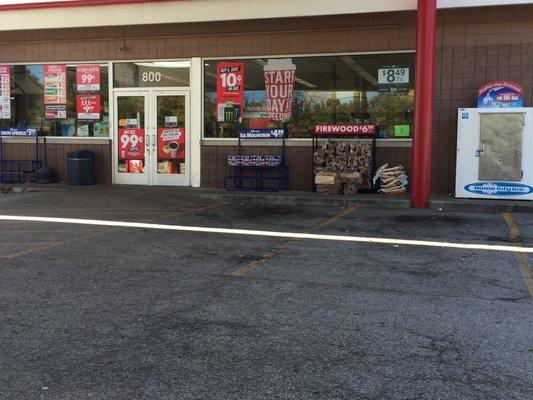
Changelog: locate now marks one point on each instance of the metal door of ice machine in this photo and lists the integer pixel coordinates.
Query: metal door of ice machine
(500, 156)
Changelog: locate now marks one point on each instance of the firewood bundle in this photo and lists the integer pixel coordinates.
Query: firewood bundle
(319, 157)
(360, 149)
(328, 148)
(342, 149)
(328, 182)
(350, 189)
(351, 161)
(393, 180)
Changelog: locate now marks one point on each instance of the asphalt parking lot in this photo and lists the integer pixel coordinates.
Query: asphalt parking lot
(114, 312)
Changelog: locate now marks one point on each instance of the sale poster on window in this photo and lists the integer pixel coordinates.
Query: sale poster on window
(171, 143)
(131, 144)
(55, 84)
(88, 106)
(5, 92)
(230, 92)
(88, 78)
(279, 85)
(55, 111)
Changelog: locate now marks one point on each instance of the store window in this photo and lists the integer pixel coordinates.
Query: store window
(151, 74)
(69, 100)
(349, 89)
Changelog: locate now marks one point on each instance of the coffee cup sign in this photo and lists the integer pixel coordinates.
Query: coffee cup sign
(279, 85)
(171, 143)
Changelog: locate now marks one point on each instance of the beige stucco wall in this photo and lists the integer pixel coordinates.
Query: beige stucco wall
(207, 10)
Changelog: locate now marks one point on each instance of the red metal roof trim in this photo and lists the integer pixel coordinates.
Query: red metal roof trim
(71, 3)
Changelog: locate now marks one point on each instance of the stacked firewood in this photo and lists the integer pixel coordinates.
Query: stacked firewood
(348, 162)
(393, 180)
(328, 183)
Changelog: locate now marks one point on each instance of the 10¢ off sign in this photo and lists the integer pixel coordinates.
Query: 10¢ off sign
(88, 78)
(131, 144)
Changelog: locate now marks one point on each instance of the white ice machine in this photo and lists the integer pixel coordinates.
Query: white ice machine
(495, 153)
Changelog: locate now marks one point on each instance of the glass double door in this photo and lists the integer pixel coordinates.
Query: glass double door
(151, 138)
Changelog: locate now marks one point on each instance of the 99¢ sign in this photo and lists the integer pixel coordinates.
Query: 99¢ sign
(88, 78)
(130, 144)
(88, 106)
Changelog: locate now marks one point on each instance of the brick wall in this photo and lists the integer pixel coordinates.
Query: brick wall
(474, 45)
(57, 157)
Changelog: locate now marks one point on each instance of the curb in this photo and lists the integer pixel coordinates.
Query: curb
(22, 189)
(295, 200)
(483, 206)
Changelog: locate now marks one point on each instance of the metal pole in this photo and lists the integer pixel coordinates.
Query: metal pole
(423, 110)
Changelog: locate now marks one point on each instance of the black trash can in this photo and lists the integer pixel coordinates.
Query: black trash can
(80, 167)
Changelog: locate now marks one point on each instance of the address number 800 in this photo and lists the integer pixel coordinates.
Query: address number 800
(151, 76)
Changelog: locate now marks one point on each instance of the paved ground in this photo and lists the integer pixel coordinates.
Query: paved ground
(90, 312)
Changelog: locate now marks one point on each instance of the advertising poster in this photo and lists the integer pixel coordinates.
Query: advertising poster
(171, 121)
(55, 111)
(88, 106)
(345, 129)
(130, 144)
(18, 132)
(171, 143)
(230, 92)
(5, 92)
(88, 78)
(55, 84)
(262, 133)
(500, 94)
(279, 85)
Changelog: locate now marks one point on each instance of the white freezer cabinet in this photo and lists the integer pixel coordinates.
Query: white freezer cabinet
(495, 153)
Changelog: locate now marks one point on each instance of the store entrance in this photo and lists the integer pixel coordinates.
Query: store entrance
(151, 138)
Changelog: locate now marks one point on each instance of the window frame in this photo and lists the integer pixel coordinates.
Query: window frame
(110, 95)
(303, 140)
(111, 90)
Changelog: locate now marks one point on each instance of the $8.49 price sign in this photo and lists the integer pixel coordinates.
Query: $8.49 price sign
(130, 144)
(393, 75)
(88, 78)
(88, 106)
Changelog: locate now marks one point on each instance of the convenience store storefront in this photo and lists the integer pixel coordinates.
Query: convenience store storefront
(158, 75)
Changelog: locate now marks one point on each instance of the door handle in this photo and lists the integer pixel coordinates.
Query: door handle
(482, 147)
(154, 141)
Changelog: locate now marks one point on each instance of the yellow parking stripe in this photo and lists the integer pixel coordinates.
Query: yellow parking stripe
(93, 234)
(521, 256)
(267, 256)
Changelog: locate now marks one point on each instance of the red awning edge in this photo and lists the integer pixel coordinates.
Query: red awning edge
(71, 3)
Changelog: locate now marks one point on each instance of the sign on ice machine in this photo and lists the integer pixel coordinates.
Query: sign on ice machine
(495, 153)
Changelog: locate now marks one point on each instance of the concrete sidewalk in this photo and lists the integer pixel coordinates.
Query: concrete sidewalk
(301, 198)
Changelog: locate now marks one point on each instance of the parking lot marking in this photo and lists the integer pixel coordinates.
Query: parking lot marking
(521, 256)
(273, 234)
(52, 245)
(267, 256)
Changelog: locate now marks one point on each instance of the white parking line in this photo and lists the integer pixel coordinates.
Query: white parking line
(273, 234)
